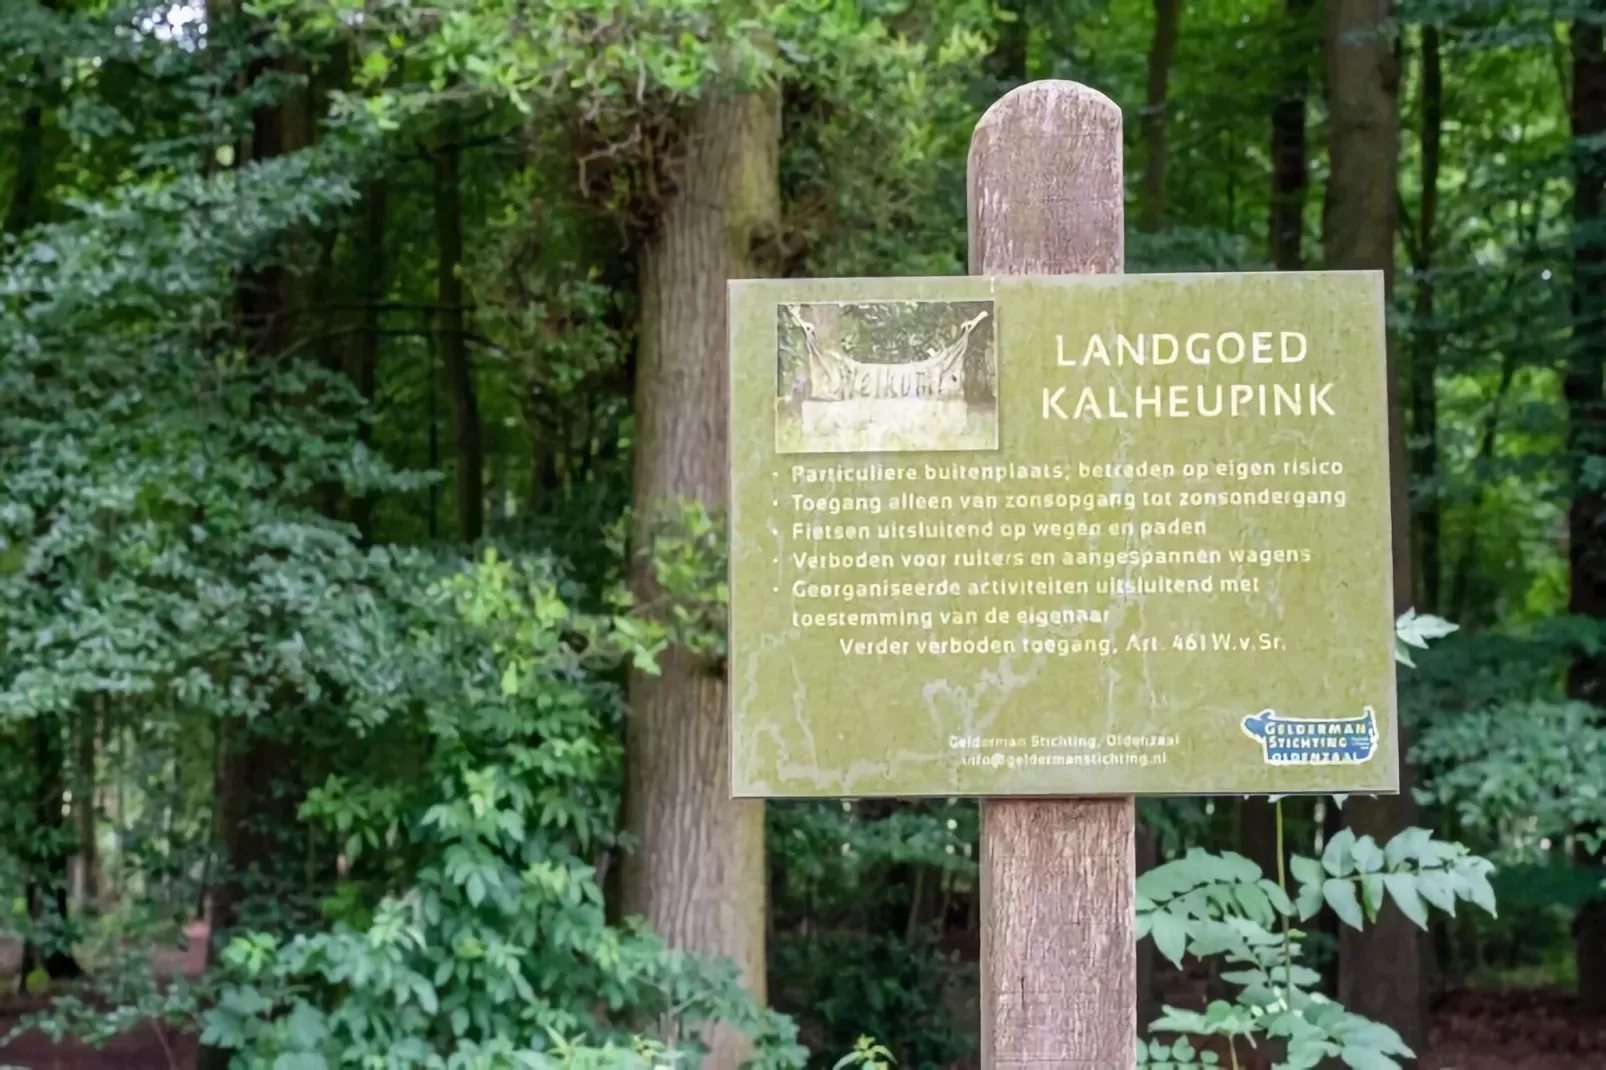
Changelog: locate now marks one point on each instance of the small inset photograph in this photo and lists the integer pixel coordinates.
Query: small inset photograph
(886, 377)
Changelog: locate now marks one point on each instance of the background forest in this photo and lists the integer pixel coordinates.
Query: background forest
(362, 449)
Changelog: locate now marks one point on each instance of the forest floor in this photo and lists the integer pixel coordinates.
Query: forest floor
(1521, 1029)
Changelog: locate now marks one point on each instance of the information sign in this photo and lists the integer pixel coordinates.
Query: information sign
(1073, 535)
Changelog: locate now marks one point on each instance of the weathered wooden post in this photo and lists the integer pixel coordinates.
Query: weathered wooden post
(1059, 963)
(1052, 540)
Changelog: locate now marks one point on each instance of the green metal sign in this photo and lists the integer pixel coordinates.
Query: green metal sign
(1060, 536)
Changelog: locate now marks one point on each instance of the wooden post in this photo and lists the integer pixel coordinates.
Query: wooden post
(1058, 959)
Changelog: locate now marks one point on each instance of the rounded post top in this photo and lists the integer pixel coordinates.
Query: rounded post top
(1050, 99)
(1045, 191)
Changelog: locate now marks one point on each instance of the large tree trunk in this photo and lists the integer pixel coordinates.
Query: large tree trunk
(1380, 968)
(1425, 352)
(1162, 50)
(1586, 415)
(256, 761)
(697, 874)
(453, 340)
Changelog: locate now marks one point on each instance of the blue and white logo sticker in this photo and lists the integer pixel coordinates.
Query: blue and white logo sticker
(1314, 741)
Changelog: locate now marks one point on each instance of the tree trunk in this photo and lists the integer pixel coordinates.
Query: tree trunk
(1425, 352)
(33, 171)
(1290, 165)
(1162, 49)
(453, 341)
(1285, 238)
(26, 198)
(1146, 855)
(85, 817)
(48, 852)
(255, 761)
(697, 874)
(1381, 967)
(1586, 414)
(1007, 61)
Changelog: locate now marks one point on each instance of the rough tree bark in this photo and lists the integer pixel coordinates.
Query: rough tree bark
(450, 328)
(1380, 968)
(1425, 351)
(1162, 50)
(1586, 413)
(698, 874)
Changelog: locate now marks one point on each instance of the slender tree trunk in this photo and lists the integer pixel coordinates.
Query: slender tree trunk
(453, 340)
(83, 808)
(1007, 61)
(48, 851)
(697, 875)
(1290, 163)
(1425, 352)
(372, 267)
(1381, 967)
(26, 196)
(1162, 50)
(1461, 580)
(32, 178)
(1285, 238)
(46, 891)
(1146, 855)
(1586, 413)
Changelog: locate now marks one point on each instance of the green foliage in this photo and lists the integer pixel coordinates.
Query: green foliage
(862, 902)
(1205, 904)
(1523, 774)
(867, 1054)
(684, 600)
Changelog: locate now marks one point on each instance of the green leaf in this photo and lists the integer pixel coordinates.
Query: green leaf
(1479, 891)
(1337, 859)
(1402, 888)
(1406, 846)
(1366, 1059)
(1437, 888)
(1170, 935)
(1310, 900)
(1372, 894)
(1306, 870)
(1340, 895)
(300, 1060)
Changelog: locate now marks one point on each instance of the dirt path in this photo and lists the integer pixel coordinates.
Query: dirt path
(147, 1048)
(1522, 1030)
